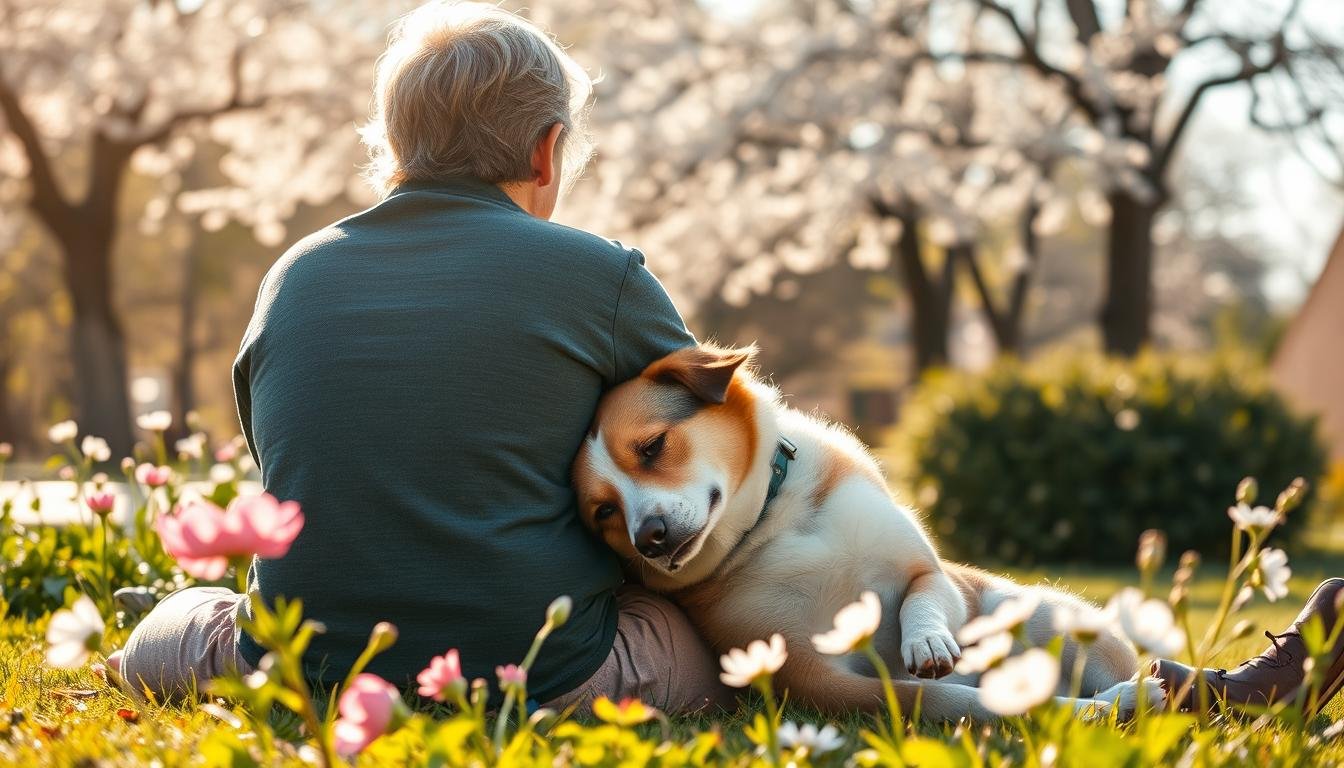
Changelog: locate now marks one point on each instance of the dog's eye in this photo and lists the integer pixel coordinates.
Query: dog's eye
(653, 448)
(604, 511)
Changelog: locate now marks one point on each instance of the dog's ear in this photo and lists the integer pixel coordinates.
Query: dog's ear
(706, 370)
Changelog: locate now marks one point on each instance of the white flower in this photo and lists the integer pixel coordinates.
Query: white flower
(985, 653)
(854, 625)
(156, 421)
(95, 448)
(1020, 683)
(192, 446)
(817, 741)
(1083, 623)
(742, 668)
(1008, 616)
(1257, 519)
(222, 473)
(1274, 573)
(73, 633)
(63, 432)
(1149, 624)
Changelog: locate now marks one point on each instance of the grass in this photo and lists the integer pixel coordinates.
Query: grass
(49, 717)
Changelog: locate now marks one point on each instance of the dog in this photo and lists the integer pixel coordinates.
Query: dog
(758, 519)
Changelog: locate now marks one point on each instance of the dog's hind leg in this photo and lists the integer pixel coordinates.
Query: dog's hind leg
(813, 679)
(1110, 660)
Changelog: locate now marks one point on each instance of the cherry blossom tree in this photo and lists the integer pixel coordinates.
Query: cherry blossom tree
(746, 151)
(93, 89)
(1124, 67)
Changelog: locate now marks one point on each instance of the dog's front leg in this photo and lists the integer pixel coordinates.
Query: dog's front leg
(932, 610)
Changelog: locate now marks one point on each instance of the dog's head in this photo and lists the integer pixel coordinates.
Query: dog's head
(666, 455)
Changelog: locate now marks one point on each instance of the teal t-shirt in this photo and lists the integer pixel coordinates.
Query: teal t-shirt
(419, 377)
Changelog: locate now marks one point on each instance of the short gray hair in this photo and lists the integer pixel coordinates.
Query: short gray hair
(468, 89)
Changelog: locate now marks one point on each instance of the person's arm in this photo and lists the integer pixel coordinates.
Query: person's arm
(242, 368)
(242, 397)
(645, 326)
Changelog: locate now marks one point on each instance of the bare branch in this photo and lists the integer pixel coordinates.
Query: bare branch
(234, 103)
(1031, 56)
(1249, 70)
(1085, 20)
(967, 255)
(47, 200)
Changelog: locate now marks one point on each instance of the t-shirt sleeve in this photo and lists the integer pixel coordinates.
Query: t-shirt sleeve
(646, 325)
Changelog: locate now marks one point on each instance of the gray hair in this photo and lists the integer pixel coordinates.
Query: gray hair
(468, 89)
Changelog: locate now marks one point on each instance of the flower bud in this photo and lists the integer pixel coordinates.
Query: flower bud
(1243, 628)
(1152, 550)
(101, 504)
(66, 473)
(384, 636)
(480, 691)
(128, 465)
(1247, 490)
(1292, 496)
(558, 612)
(6, 450)
(511, 676)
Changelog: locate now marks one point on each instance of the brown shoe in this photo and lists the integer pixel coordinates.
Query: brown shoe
(1275, 675)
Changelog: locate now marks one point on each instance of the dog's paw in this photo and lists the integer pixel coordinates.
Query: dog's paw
(930, 652)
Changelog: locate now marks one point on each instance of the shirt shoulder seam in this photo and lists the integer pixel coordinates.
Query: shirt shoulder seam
(615, 317)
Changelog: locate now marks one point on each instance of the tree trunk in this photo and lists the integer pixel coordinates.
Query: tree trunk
(97, 343)
(1128, 308)
(183, 386)
(930, 300)
(8, 427)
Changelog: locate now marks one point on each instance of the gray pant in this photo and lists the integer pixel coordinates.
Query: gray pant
(658, 657)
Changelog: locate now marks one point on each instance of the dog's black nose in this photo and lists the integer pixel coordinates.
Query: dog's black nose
(651, 537)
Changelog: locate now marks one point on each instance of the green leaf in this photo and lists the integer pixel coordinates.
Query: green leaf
(930, 753)
(1161, 732)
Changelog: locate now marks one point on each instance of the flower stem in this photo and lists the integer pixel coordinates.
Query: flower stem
(771, 717)
(1079, 667)
(240, 567)
(889, 690)
(107, 568)
(1236, 566)
(510, 694)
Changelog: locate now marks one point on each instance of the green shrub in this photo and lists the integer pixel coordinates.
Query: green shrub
(1071, 458)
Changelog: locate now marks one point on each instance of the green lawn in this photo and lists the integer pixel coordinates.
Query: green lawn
(1098, 584)
(59, 718)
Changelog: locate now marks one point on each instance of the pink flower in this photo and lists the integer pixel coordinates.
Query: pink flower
(511, 676)
(443, 674)
(203, 537)
(369, 708)
(152, 476)
(226, 453)
(101, 503)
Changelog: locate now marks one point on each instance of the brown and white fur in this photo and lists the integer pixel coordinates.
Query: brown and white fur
(687, 448)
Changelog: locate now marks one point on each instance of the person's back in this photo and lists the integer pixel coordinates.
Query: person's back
(419, 377)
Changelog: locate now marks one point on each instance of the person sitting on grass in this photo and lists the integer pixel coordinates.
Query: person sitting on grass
(420, 376)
